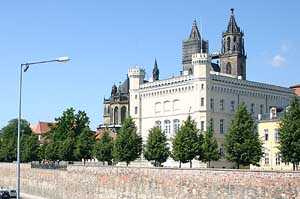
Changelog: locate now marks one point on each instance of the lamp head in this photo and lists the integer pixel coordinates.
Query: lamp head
(62, 59)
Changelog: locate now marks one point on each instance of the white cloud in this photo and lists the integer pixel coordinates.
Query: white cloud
(279, 61)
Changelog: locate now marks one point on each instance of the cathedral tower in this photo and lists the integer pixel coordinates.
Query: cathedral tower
(233, 57)
(195, 44)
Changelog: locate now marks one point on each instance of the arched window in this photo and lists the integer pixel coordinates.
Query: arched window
(116, 115)
(228, 68)
(158, 124)
(190, 71)
(157, 107)
(123, 113)
(167, 128)
(176, 125)
(228, 43)
(167, 106)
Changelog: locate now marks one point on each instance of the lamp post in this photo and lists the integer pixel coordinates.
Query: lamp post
(27, 65)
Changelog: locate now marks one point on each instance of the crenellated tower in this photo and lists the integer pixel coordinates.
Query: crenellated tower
(233, 56)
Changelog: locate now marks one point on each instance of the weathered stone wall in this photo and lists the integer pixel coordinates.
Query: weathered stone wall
(148, 183)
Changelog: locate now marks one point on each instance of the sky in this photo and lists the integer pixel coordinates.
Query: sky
(105, 38)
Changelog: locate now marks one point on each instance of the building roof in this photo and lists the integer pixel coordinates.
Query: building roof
(232, 25)
(295, 86)
(41, 127)
(100, 132)
(195, 35)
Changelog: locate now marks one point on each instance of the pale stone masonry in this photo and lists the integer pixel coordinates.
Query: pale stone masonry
(150, 183)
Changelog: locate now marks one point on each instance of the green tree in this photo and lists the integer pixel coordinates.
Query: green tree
(210, 147)
(289, 133)
(30, 148)
(156, 148)
(68, 137)
(128, 144)
(242, 143)
(186, 142)
(84, 145)
(103, 148)
(52, 151)
(9, 137)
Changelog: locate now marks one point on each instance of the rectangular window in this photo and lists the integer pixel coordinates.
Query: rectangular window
(221, 126)
(212, 104)
(267, 159)
(261, 109)
(211, 123)
(276, 135)
(202, 86)
(221, 104)
(252, 108)
(167, 129)
(135, 96)
(202, 101)
(176, 125)
(232, 106)
(135, 110)
(277, 159)
(202, 126)
(266, 134)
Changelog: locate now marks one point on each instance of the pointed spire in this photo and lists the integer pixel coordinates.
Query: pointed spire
(195, 35)
(155, 72)
(232, 25)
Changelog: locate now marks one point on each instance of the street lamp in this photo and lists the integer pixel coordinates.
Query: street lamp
(27, 65)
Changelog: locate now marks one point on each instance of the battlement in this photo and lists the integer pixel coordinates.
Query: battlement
(136, 71)
(169, 81)
(251, 84)
(201, 58)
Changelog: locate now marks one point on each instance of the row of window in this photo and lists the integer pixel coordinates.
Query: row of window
(174, 90)
(232, 105)
(211, 124)
(167, 106)
(277, 159)
(167, 126)
(276, 135)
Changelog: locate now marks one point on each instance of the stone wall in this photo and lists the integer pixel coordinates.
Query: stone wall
(151, 183)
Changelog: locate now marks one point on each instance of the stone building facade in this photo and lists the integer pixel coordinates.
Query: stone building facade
(208, 92)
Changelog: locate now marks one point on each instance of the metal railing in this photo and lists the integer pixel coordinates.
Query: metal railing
(49, 165)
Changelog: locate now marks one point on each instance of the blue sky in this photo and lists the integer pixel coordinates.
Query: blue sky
(105, 38)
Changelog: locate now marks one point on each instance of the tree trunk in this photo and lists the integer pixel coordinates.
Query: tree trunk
(127, 163)
(238, 165)
(190, 163)
(179, 164)
(83, 161)
(155, 163)
(294, 166)
(208, 164)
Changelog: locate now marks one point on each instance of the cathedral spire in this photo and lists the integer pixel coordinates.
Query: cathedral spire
(232, 25)
(195, 35)
(155, 72)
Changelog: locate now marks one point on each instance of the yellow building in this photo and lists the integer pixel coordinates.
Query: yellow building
(268, 129)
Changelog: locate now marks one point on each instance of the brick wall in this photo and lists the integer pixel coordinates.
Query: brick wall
(148, 183)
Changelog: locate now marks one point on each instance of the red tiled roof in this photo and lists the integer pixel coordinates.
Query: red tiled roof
(295, 86)
(100, 133)
(41, 127)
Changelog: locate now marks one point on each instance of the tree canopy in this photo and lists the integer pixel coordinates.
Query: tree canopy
(9, 138)
(128, 144)
(103, 148)
(210, 147)
(289, 133)
(70, 139)
(156, 148)
(242, 143)
(186, 143)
